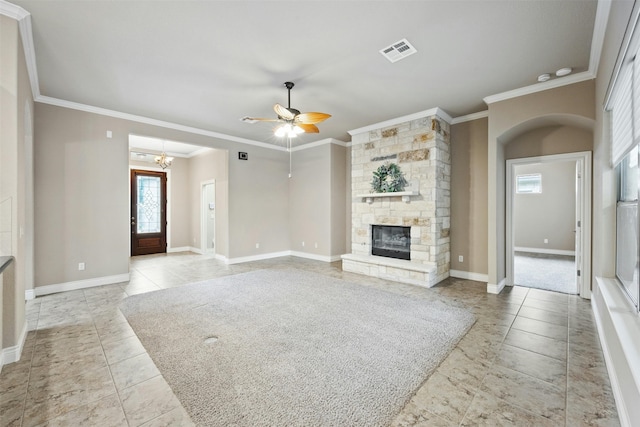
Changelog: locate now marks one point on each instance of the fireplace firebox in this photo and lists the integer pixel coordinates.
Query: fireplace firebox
(391, 241)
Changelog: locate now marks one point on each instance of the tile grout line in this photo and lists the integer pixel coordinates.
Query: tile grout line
(104, 354)
(33, 352)
(493, 362)
(566, 379)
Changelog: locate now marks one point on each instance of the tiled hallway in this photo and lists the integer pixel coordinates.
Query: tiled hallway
(532, 358)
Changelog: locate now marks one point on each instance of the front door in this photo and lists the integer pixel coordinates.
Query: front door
(148, 212)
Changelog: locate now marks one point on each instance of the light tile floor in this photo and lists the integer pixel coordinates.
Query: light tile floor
(533, 357)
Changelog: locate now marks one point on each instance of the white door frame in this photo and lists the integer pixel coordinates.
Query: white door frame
(583, 213)
(204, 217)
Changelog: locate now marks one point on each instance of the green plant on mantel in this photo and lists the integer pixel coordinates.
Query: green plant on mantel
(388, 178)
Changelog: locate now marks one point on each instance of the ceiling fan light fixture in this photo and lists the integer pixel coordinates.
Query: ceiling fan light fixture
(280, 131)
(288, 130)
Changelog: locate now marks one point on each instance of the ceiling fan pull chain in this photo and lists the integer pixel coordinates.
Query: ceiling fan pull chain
(289, 148)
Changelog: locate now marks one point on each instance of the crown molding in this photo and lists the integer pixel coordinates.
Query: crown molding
(26, 33)
(24, 23)
(470, 117)
(597, 41)
(29, 54)
(551, 84)
(426, 113)
(12, 11)
(599, 33)
(320, 143)
(160, 123)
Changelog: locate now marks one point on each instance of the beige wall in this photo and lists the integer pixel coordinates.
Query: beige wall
(347, 201)
(258, 202)
(16, 196)
(567, 105)
(469, 196)
(550, 214)
(310, 204)
(82, 194)
(180, 204)
(206, 167)
(339, 179)
(81, 197)
(318, 201)
(557, 139)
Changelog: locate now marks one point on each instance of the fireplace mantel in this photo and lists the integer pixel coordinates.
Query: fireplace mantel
(406, 195)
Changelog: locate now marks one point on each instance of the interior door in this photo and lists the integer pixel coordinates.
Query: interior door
(578, 225)
(148, 212)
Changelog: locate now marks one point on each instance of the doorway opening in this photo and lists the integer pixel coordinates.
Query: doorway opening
(208, 217)
(548, 222)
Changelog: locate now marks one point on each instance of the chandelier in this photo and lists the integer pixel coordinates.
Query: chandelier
(163, 160)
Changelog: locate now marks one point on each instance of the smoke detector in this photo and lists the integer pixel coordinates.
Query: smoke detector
(398, 50)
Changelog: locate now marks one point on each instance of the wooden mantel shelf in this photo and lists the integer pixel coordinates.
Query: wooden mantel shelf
(406, 195)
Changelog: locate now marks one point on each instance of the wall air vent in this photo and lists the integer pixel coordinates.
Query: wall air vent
(398, 50)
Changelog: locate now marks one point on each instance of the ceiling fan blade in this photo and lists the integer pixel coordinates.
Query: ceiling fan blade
(311, 118)
(283, 112)
(248, 119)
(308, 127)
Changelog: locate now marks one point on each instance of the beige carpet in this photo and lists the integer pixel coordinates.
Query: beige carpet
(292, 348)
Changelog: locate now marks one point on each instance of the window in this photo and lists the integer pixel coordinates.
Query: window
(624, 105)
(627, 237)
(530, 183)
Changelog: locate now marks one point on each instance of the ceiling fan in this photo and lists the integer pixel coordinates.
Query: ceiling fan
(293, 121)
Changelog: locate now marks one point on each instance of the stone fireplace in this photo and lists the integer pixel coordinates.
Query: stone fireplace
(419, 145)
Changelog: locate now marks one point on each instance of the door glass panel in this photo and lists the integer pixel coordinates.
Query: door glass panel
(149, 196)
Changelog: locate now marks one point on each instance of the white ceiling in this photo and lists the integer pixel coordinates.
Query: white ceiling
(172, 148)
(206, 64)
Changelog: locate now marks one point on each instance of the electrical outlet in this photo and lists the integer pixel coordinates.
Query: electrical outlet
(460, 258)
(81, 266)
(257, 245)
(546, 240)
(316, 245)
(303, 244)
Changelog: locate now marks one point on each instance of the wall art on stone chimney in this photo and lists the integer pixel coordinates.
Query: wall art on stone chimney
(388, 178)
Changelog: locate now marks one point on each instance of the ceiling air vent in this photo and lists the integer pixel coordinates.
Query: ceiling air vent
(398, 50)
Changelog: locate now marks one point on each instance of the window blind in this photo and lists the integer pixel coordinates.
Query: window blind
(622, 135)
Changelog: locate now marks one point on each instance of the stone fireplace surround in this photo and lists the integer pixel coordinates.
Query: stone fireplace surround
(419, 144)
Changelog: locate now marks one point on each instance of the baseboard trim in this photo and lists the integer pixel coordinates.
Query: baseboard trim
(179, 249)
(469, 275)
(618, 326)
(545, 251)
(12, 354)
(496, 288)
(81, 284)
(323, 258)
(316, 257)
(29, 294)
(260, 257)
